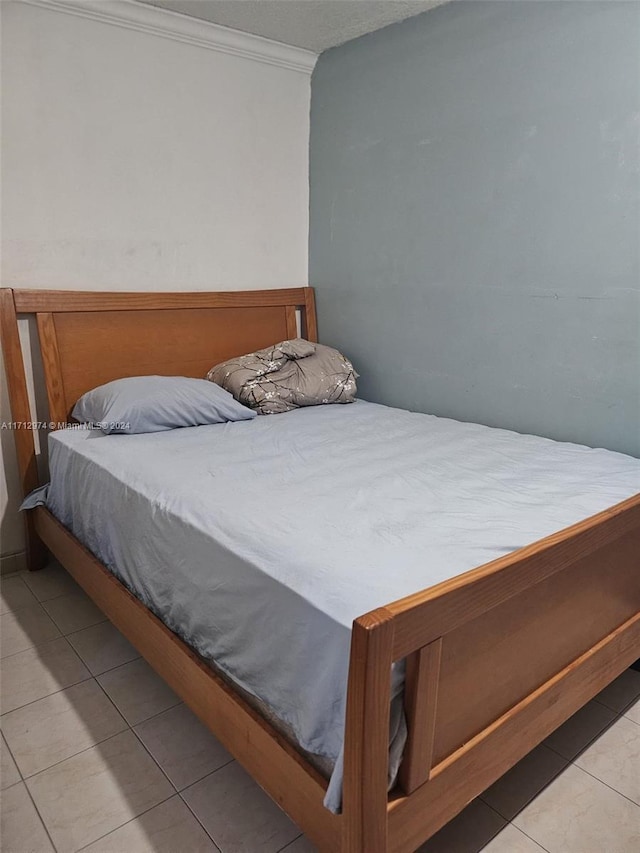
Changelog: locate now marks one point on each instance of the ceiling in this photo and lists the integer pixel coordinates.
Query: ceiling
(312, 24)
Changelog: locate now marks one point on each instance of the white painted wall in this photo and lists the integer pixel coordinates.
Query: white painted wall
(132, 161)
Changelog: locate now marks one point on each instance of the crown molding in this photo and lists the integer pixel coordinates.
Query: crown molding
(173, 25)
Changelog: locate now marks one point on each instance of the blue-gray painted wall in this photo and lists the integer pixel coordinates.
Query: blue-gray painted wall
(475, 215)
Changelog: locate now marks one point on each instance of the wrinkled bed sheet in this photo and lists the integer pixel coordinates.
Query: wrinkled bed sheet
(259, 542)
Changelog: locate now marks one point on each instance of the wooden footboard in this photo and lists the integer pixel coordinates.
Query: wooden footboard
(496, 660)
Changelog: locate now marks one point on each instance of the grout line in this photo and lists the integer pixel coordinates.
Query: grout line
(174, 793)
(629, 718)
(572, 761)
(53, 692)
(289, 843)
(153, 716)
(57, 595)
(39, 646)
(6, 743)
(132, 725)
(567, 763)
(8, 575)
(113, 704)
(615, 710)
(40, 698)
(590, 742)
(42, 820)
(36, 602)
(197, 819)
(122, 665)
(111, 668)
(103, 671)
(128, 727)
(16, 609)
(126, 823)
(180, 793)
(498, 831)
(79, 752)
(153, 758)
(606, 784)
(67, 633)
(195, 781)
(541, 846)
(210, 773)
(491, 808)
(34, 645)
(88, 678)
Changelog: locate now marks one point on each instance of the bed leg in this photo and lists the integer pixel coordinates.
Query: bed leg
(37, 553)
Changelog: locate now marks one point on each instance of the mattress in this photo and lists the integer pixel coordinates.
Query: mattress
(260, 542)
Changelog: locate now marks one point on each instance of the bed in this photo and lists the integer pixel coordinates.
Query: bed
(550, 617)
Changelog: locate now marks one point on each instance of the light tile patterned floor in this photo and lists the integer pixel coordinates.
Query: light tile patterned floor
(99, 755)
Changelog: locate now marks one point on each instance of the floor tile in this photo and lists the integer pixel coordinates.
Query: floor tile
(21, 829)
(9, 774)
(13, 564)
(102, 647)
(468, 832)
(517, 787)
(14, 593)
(184, 748)
(512, 840)
(50, 582)
(24, 628)
(632, 712)
(93, 793)
(621, 692)
(580, 729)
(59, 726)
(73, 611)
(579, 814)
(138, 691)
(38, 672)
(237, 814)
(300, 845)
(167, 828)
(614, 758)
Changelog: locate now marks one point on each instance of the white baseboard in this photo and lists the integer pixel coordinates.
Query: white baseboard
(10, 563)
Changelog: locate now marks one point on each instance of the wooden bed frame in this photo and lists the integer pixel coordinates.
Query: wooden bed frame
(497, 658)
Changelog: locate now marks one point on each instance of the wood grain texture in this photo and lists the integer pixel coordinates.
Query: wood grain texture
(21, 413)
(57, 301)
(291, 321)
(486, 757)
(90, 338)
(264, 753)
(366, 756)
(429, 614)
(58, 408)
(501, 657)
(310, 318)
(420, 701)
(18, 394)
(100, 346)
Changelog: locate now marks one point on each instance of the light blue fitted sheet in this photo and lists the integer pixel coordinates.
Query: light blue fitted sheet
(259, 542)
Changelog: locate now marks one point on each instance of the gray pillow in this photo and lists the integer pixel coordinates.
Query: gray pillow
(287, 376)
(155, 403)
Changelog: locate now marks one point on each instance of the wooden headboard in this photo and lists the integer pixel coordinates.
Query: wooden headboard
(88, 338)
